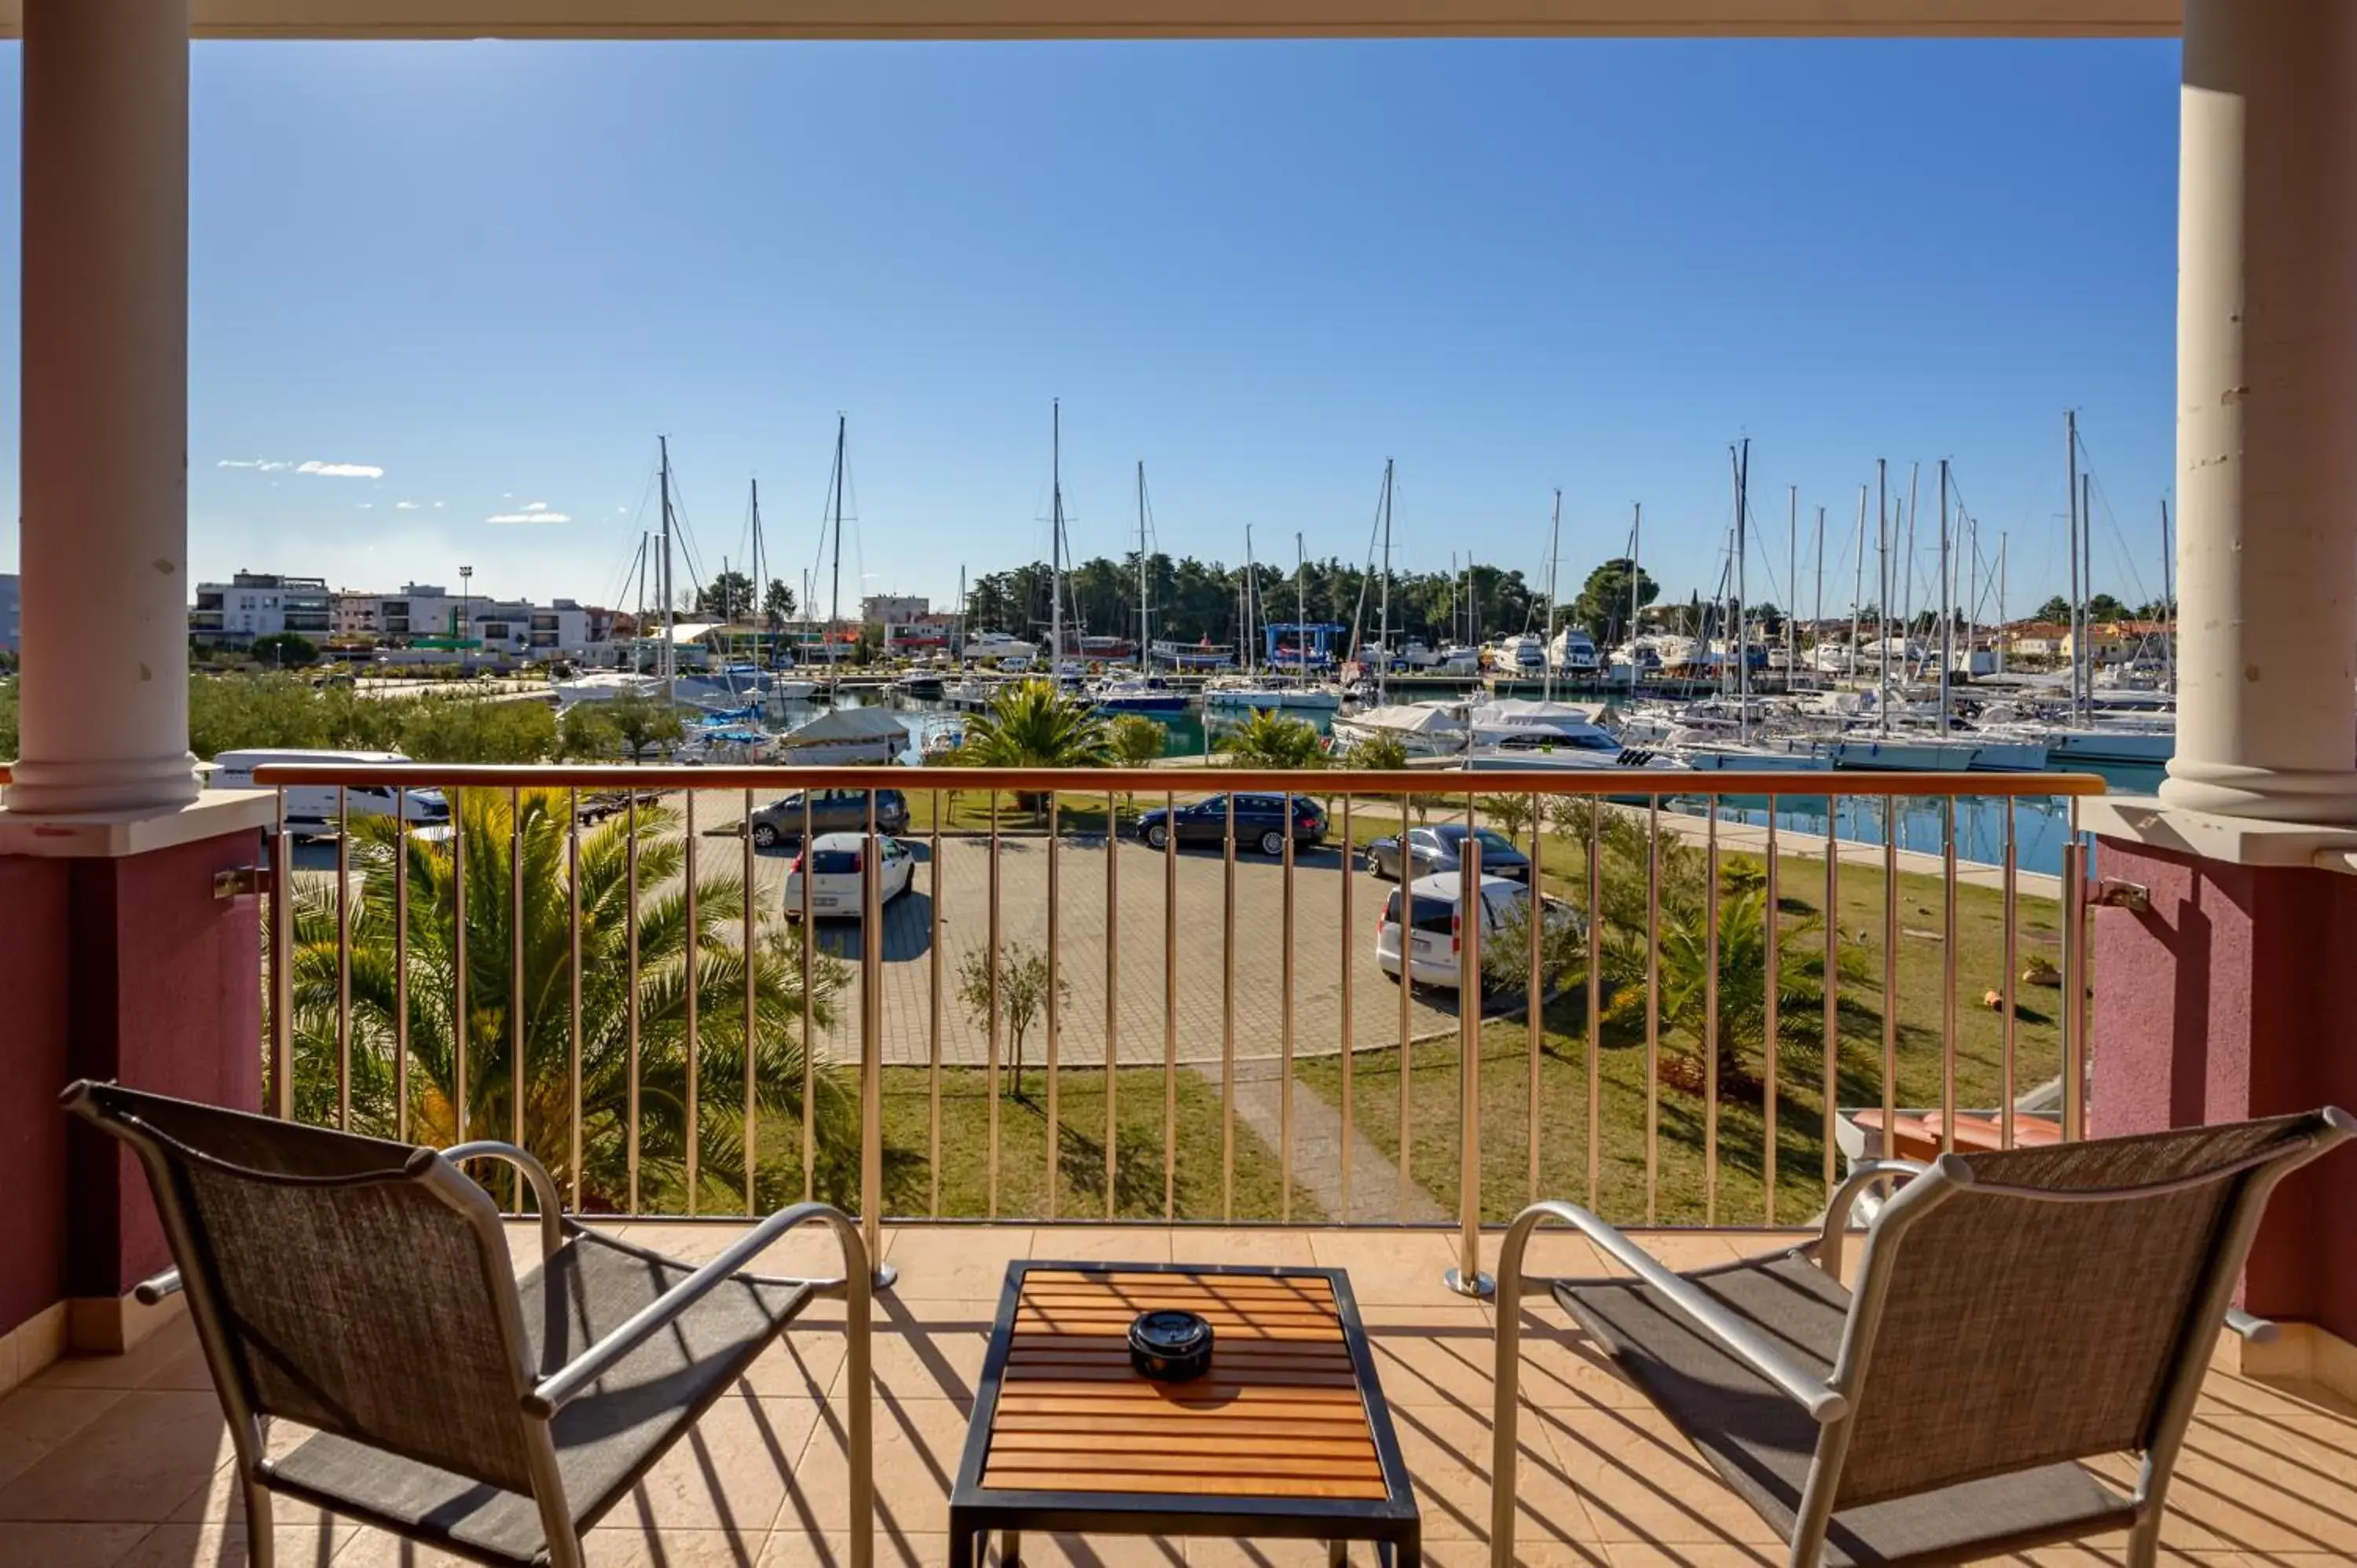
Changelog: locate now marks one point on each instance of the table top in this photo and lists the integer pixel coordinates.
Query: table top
(1290, 1421)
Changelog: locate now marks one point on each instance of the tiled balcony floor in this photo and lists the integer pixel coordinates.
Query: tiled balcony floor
(124, 1460)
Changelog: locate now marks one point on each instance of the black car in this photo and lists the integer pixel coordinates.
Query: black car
(1441, 848)
(831, 811)
(1260, 822)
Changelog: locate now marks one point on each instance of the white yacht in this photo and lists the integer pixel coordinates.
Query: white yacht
(1249, 693)
(1421, 729)
(1573, 653)
(1523, 734)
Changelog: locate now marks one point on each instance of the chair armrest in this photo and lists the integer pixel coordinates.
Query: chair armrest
(1737, 1337)
(1862, 1175)
(543, 1185)
(155, 1287)
(2257, 1330)
(576, 1375)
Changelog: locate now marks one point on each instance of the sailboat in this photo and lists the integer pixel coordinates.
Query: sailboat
(1249, 693)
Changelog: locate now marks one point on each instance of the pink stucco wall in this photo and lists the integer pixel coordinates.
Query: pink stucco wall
(2235, 996)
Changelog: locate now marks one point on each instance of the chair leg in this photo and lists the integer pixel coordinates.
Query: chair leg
(2144, 1540)
(260, 1540)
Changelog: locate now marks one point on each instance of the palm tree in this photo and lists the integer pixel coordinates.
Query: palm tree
(1031, 725)
(493, 831)
(1269, 739)
(1378, 754)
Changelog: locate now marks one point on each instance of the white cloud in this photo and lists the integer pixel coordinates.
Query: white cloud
(439, 505)
(404, 506)
(368, 506)
(340, 471)
(533, 512)
(261, 465)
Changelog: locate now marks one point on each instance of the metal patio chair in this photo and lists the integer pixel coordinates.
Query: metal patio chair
(363, 1288)
(2016, 1312)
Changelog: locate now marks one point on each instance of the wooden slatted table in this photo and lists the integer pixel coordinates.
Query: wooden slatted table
(1287, 1434)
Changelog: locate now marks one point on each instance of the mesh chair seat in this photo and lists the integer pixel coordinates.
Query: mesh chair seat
(605, 1440)
(1763, 1445)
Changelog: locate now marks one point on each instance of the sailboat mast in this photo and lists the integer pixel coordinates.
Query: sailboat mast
(2004, 631)
(1636, 581)
(668, 665)
(1742, 653)
(2168, 599)
(1144, 649)
(1555, 601)
(2087, 666)
(1882, 612)
(2078, 632)
(757, 612)
(834, 597)
(1947, 621)
(1857, 585)
(1249, 599)
(1300, 610)
(1384, 622)
(1819, 551)
(1055, 544)
(1791, 580)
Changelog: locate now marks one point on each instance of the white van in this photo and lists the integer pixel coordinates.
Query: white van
(1435, 923)
(311, 807)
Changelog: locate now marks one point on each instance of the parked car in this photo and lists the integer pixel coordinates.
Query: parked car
(1441, 848)
(1435, 926)
(831, 811)
(1260, 822)
(834, 863)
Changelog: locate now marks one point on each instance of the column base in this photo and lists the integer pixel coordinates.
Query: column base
(148, 785)
(2229, 997)
(2261, 794)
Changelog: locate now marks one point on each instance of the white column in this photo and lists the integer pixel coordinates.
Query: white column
(2266, 412)
(105, 408)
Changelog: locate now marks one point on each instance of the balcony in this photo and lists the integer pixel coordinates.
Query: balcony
(123, 1460)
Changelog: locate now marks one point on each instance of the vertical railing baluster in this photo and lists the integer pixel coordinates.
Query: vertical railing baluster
(1406, 932)
(1054, 1008)
(573, 984)
(401, 969)
(1653, 1009)
(935, 1019)
(1284, 1033)
(1350, 1014)
(517, 1064)
(1113, 992)
(998, 1035)
(1535, 995)
(1228, 1017)
(750, 1024)
(810, 1010)
(871, 1041)
(1830, 1111)
(1948, 979)
(343, 959)
(1771, 994)
(2074, 981)
(281, 967)
(1710, 1041)
(631, 980)
(461, 1022)
(693, 942)
(2012, 914)
(1169, 1008)
(1890, 975)
(1467, 1278)
(1595, 998)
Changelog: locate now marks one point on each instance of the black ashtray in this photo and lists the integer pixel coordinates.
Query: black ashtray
(1169, 1346)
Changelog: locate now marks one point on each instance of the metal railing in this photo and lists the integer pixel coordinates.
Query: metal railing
(570, 962)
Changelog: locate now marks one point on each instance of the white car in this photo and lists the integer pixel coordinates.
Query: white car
(834, 865)
(1435, 924)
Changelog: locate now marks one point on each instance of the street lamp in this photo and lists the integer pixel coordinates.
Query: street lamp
(465, 615)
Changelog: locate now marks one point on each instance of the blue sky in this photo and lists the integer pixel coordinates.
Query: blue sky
(494, 270)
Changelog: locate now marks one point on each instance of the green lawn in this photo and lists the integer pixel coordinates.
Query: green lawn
(1680, 1192)
(1081, 1112)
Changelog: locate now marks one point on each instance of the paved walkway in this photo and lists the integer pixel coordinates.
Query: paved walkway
(1374, 1195)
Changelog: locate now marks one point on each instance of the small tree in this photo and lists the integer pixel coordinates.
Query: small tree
(1271, 740)
(1378, 754)
(281, 648)
(1022, 995)
(1511, 813)
(642, 722)
(1138, 741)
(1563, 952)
(585, 732)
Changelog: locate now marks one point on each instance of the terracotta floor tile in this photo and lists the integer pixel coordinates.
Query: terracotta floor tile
(730, 1472)
(1243, 1245)
(224, 1546)
(952, 1262)
(1447, 1454)
(1644, 1483)
(130, 1371)
(1432, 1355)
(926, 1549)
(917, 1444)
(140, 1459)
(927, 1350)
(2111, 1551)
(2254, 1496)
(1562, 1368)
(35, 1419)
(68, 1545)
(1105, 1244)
(1389, 1268)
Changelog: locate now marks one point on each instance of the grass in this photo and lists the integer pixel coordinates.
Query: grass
(1139, 1102)
(1680, 1189)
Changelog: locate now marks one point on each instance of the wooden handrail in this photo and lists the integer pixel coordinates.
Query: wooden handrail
(1600, 781)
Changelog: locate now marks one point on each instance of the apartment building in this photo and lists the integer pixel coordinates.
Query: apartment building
(262, 603)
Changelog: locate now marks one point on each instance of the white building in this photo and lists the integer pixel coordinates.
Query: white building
(262, 603)
(11, 604)
(894, 609)
(428, 614)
